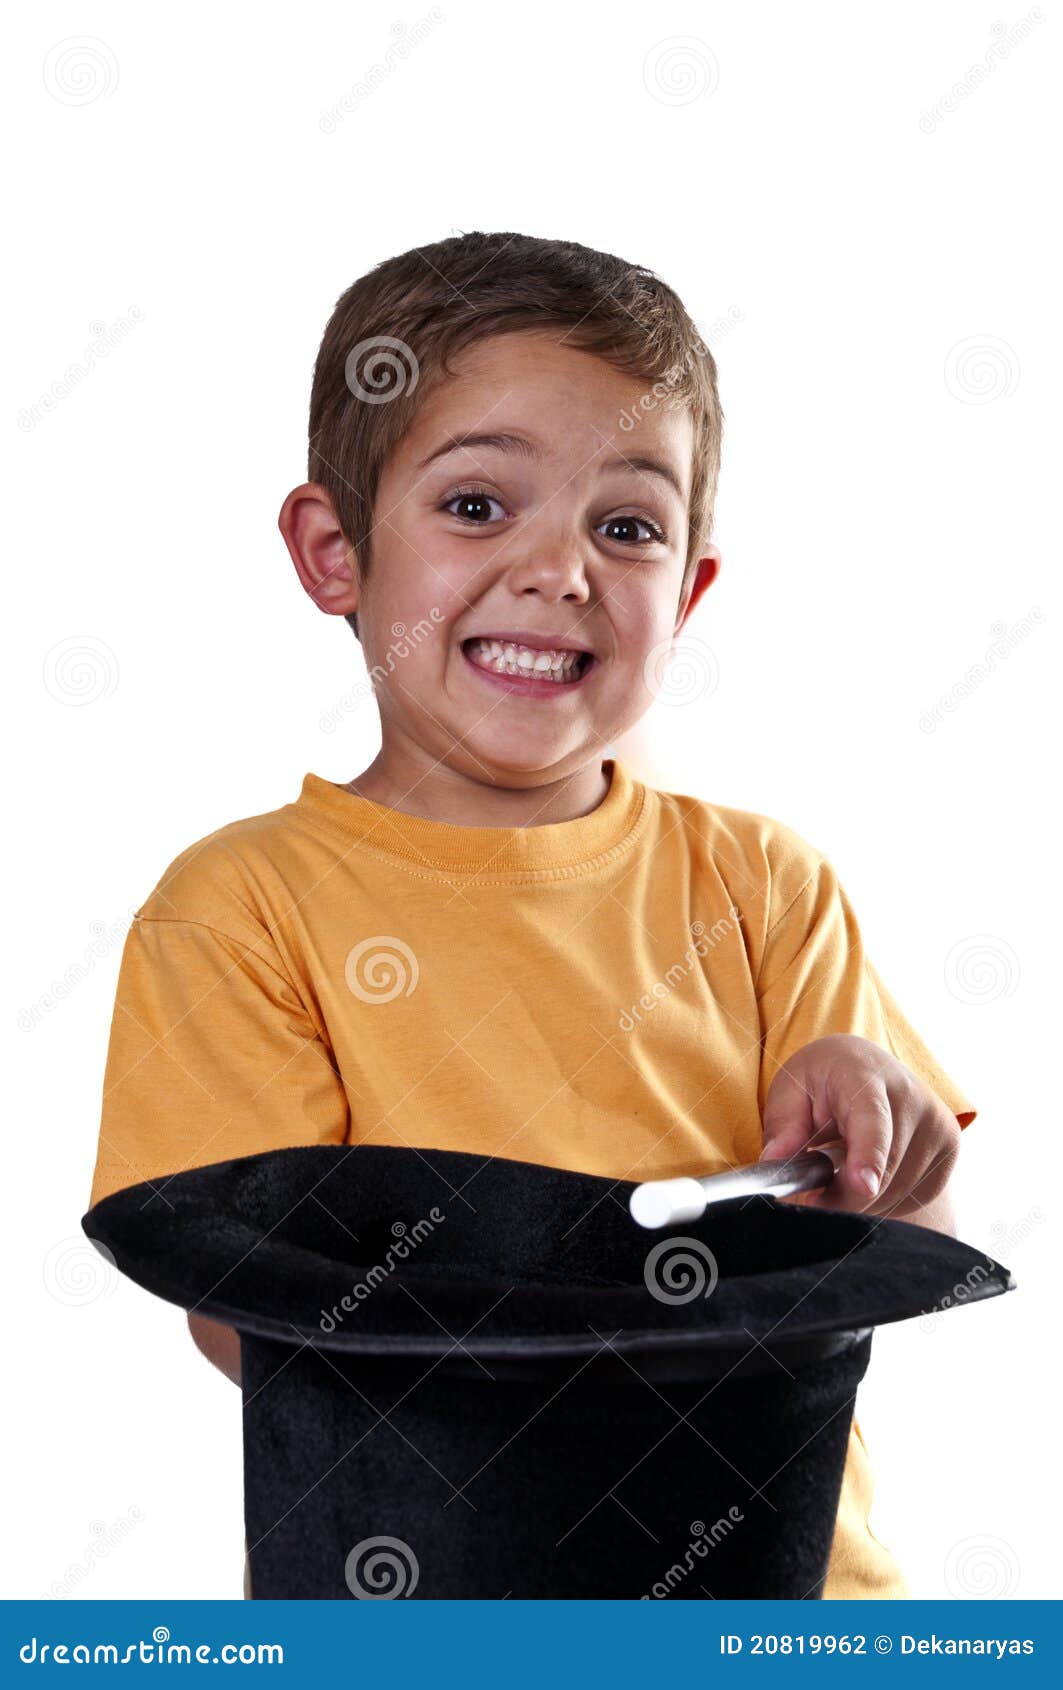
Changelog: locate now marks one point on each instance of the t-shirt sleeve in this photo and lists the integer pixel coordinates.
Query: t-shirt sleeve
(815, 979)
(212, 1055)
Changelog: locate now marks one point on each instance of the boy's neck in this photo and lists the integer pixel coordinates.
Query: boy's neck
(436, 792)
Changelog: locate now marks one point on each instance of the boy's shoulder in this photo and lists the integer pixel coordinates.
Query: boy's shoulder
(221, 879)
(752, 843)
(242, 875)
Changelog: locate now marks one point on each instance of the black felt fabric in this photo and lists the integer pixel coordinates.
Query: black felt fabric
(466, 1377)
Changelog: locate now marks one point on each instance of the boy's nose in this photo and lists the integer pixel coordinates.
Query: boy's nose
(556, 567)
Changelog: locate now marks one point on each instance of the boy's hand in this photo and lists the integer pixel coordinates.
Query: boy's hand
(901, 1140)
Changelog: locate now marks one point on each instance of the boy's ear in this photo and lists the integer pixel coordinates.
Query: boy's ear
(705, 573)
(325, 562)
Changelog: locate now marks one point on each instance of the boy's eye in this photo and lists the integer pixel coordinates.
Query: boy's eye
(631, 522)
(473, 505)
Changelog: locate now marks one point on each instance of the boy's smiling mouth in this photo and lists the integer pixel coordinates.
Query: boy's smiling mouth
(531, 665)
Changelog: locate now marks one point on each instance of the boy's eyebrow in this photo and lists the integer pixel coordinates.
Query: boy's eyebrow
(519, 443)
(649, 466)
(498, 442)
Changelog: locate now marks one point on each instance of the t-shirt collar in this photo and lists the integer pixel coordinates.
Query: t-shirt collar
(482, 850)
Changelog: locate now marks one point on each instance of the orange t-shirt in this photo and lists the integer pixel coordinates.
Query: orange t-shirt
(612, 994)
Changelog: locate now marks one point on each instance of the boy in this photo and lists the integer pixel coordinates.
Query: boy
(493, 939)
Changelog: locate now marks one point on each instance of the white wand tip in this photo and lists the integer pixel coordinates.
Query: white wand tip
(666, 1202)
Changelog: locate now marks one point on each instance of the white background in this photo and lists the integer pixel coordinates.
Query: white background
(890, 373)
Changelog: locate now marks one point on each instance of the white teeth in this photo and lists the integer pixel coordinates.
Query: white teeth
(507, 658)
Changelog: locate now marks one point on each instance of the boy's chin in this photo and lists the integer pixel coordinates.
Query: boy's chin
(527, 760)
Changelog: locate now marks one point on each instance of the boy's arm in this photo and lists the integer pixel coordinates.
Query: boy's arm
(220, 1344)
(901, 1139)
(213, 1055)
(828, 1019)
(939, 1216)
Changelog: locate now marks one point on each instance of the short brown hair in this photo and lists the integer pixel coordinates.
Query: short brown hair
(389, 338)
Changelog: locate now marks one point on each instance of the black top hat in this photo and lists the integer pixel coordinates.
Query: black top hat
(470, 1377)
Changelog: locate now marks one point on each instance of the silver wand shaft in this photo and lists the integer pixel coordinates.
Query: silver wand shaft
(667, 1202)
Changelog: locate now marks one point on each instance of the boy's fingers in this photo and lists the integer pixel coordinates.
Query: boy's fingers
(923, 1174)
(867, 1128)
(788, 1118)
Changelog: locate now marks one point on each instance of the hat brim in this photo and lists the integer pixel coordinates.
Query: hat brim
(397, 1251)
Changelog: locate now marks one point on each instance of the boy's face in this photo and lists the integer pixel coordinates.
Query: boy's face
(566, 535)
